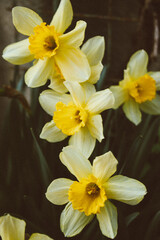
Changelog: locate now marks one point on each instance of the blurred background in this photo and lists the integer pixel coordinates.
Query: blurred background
(29, 164)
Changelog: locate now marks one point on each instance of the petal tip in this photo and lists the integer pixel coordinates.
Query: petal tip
(82, 22)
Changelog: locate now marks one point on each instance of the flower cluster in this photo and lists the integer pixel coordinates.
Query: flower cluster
(75, 108)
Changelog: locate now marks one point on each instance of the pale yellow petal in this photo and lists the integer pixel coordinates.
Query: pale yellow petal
(25, 19)
(73, 64)
(108, 220)
(100, 101)
(119, 95)
(77, 92)
(76, 163)
(95, 126)
(94, 50)
(125, 189)
(95, 73)
(156, 77)
(63, 16)
(72, 221)
(75, 37)
(38, 74)
(137, 64)
(39, 236)
(151, 107)
(51, 133)
(57, 85)
(49, 98)
(84, 141)
(12, 228)
(104, 166)
(18, 53)
(132, 112)
(57, 192)
(89, 89)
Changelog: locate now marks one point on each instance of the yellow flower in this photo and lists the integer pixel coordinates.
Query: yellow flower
(49, 46)
(137, 91)
(12, 228)
(90, 194)
(76, 115)
(94, 51)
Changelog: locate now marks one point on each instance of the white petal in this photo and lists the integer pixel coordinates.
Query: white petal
(18, 53)
(75, 37)
(151, 107)
(24, 20)
(95, 73)
(104, 166)
(94, 50)
(125, 189)
(39, 236)
(49, 98)
(63, 16)
(137, 64)
(108, 220)
(77, 92)
(12, 228)
(57, 192)
(156, 77)
(119, 95)
(72, 221)
(51, 133)
(38, 74)
(73, 64)
(100, 101)
(132, 112)
(95, 126)
(76, 163)
(84, 141)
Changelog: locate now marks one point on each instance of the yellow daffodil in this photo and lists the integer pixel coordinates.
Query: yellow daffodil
(94, 51)
(90, 194)
(54, 52)
(12, 228)
(76, 114)
(137, 91)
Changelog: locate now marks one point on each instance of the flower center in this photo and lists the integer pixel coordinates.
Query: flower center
(49, 43)
(87, 196)
(69, 118)
(92, 189)
(142, 89)
(44, 42)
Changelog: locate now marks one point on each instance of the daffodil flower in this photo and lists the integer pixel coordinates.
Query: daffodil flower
(94, 51)
(76, 115)
(137, 91)
(12, 228)
(90, 194)
(49, 46)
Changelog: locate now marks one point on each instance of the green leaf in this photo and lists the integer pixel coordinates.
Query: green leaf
(43, 166)
(153, 228)
(131, 218)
